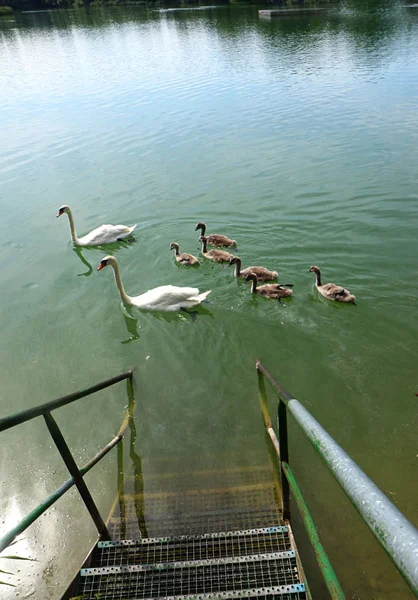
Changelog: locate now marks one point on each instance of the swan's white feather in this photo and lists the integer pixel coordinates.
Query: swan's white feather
(106, 234)
(166, 298)
(169, 298)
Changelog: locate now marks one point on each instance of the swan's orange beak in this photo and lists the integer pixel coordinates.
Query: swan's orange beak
(100, 267)
(59, 214)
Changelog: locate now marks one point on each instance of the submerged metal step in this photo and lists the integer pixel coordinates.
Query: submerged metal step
(210, 478)
(195, 511)
(230, 544)
(193, 523)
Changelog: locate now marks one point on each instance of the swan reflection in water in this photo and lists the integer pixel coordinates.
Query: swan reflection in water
(113, 247)
(131, 316)
(79, 253)
(132, 327)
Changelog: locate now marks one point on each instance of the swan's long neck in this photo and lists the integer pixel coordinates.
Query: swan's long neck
(203, 229)
(73, 232)
(177, 251)
(118, 279)
(253, 286)
(237, 268)
(318, 278)
(204, 249)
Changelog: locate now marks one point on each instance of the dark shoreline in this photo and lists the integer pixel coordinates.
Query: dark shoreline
(9, 6)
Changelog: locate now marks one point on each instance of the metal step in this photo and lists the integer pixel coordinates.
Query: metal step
(283, 592)
(193, 548)
(204, 479)
(193, 523)
(195, 511)
(240, 564)
(277, 571)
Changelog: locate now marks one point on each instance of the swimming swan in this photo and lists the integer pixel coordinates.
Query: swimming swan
(184, 258)
(262, 273)
(105, 234)
(330, 290)
(167, 298)
(216, 239)
(219, 256)
(271, 290)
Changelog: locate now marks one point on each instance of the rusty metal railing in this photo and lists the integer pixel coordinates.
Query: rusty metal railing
(394, 532)
(76, 473)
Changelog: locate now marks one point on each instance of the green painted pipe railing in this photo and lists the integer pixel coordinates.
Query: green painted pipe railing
(395, 533)
(77, 473)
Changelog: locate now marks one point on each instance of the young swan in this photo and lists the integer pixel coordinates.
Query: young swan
(330, 290)
(105, 234)
(262, 273)
(219, 256)
(215, 239)
(167, 298)
(271, 290)
(183, 259)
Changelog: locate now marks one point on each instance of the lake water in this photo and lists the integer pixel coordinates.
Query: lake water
(298, 137)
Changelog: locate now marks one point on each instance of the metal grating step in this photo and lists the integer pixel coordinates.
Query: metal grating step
(193, 523)
(244, 576)
(185, 564)
(196, 511)
(218, 543)
(282, 592)
(207, 479)
(193, 548)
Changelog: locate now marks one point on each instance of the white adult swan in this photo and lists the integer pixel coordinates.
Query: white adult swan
(166, 298)
(105, 234)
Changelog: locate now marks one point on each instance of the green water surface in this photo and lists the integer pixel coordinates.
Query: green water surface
(298, 137)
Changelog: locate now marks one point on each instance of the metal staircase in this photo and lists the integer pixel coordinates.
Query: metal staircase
(220, 565)
(255, 562)
(213, 534)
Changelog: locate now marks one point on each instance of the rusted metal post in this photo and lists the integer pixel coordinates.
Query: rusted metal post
(121, 489)
(67, 457)
(284, 457)
(273, 447)
(281, 445)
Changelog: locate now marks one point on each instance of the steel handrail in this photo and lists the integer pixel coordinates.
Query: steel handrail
(287, 482)
(36, 411)
(394, 532)
(76, 472)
